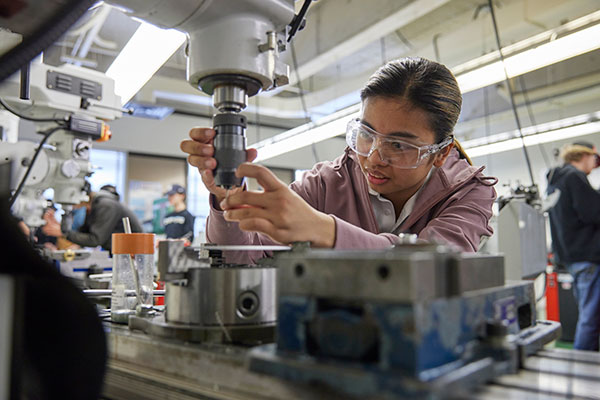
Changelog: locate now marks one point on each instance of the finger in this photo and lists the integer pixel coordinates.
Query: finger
(203, 135)
(202, 162)
(240, 214)
(240, 199)
(196, 148)
(251, 155)
(262, 226)
(263, 175)
(208, 179)
(206, 175)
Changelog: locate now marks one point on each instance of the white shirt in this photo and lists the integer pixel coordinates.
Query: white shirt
(384, 209)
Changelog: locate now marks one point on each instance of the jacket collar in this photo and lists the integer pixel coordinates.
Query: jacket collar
(451, 176)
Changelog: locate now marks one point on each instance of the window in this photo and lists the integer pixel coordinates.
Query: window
(197, 202)
(109, 169)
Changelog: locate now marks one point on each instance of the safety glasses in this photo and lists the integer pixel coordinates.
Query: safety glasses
(393, 151)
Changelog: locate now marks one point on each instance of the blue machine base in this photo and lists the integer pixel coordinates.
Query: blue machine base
(455, 379)
(357, 381)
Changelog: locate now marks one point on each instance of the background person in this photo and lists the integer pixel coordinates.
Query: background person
(104, 217)
(575, 229)
(179, 224)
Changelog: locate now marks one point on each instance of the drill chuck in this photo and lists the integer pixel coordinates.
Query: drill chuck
(230, 147)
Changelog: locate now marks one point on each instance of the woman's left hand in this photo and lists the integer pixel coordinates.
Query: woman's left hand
(278, 211)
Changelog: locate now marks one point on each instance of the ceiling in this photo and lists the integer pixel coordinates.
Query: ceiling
(345, 41)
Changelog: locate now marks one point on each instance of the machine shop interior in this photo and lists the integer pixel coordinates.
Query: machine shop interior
(133, 268)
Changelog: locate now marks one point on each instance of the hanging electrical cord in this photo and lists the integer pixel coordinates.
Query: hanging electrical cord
(298, 20)
(510, 92)
(531, 118)
(46, 134)
(302, 99)
(436, 49)
(543, 294)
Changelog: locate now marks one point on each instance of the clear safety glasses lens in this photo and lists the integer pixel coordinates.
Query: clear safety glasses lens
(400, 154)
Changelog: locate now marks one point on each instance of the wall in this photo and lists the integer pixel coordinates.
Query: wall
(142, 135)
(167, 171)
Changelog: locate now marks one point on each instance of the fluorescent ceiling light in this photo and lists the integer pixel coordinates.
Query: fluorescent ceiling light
(528, 43)
(306, 134)
(147, 50)
(569, 46)
(559, 130)
(545, 54)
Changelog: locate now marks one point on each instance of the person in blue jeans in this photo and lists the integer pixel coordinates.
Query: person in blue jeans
(575, 229)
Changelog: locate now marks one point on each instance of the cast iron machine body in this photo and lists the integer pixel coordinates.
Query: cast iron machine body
(232, 54)
(82, 100)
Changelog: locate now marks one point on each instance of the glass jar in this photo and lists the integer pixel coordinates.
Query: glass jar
(133, 273)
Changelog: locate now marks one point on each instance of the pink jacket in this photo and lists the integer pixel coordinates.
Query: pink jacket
(454, 207)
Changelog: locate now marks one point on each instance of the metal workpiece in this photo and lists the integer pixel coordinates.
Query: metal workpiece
(175, 259)
(226, 304)
(223, 296)
(401, 274)
(243, 247)
(108, 292)
(209, 300)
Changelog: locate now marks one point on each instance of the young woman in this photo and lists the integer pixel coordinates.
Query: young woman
(400, 173)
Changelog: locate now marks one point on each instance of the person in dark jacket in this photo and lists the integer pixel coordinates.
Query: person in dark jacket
(105, 214)
(575, 228)
(179, 224)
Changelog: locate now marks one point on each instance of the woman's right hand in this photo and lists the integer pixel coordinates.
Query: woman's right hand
(201, 152)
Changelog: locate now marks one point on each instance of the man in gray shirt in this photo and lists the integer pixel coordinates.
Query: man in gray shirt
(104, 217)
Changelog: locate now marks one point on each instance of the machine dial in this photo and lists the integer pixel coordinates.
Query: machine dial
(70, 168)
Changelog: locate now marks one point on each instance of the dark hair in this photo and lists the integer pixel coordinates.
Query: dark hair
(111, 189)
(426, 84)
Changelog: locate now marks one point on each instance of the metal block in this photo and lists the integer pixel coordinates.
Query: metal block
(400, 275)
(387, 275)
(480, 271)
